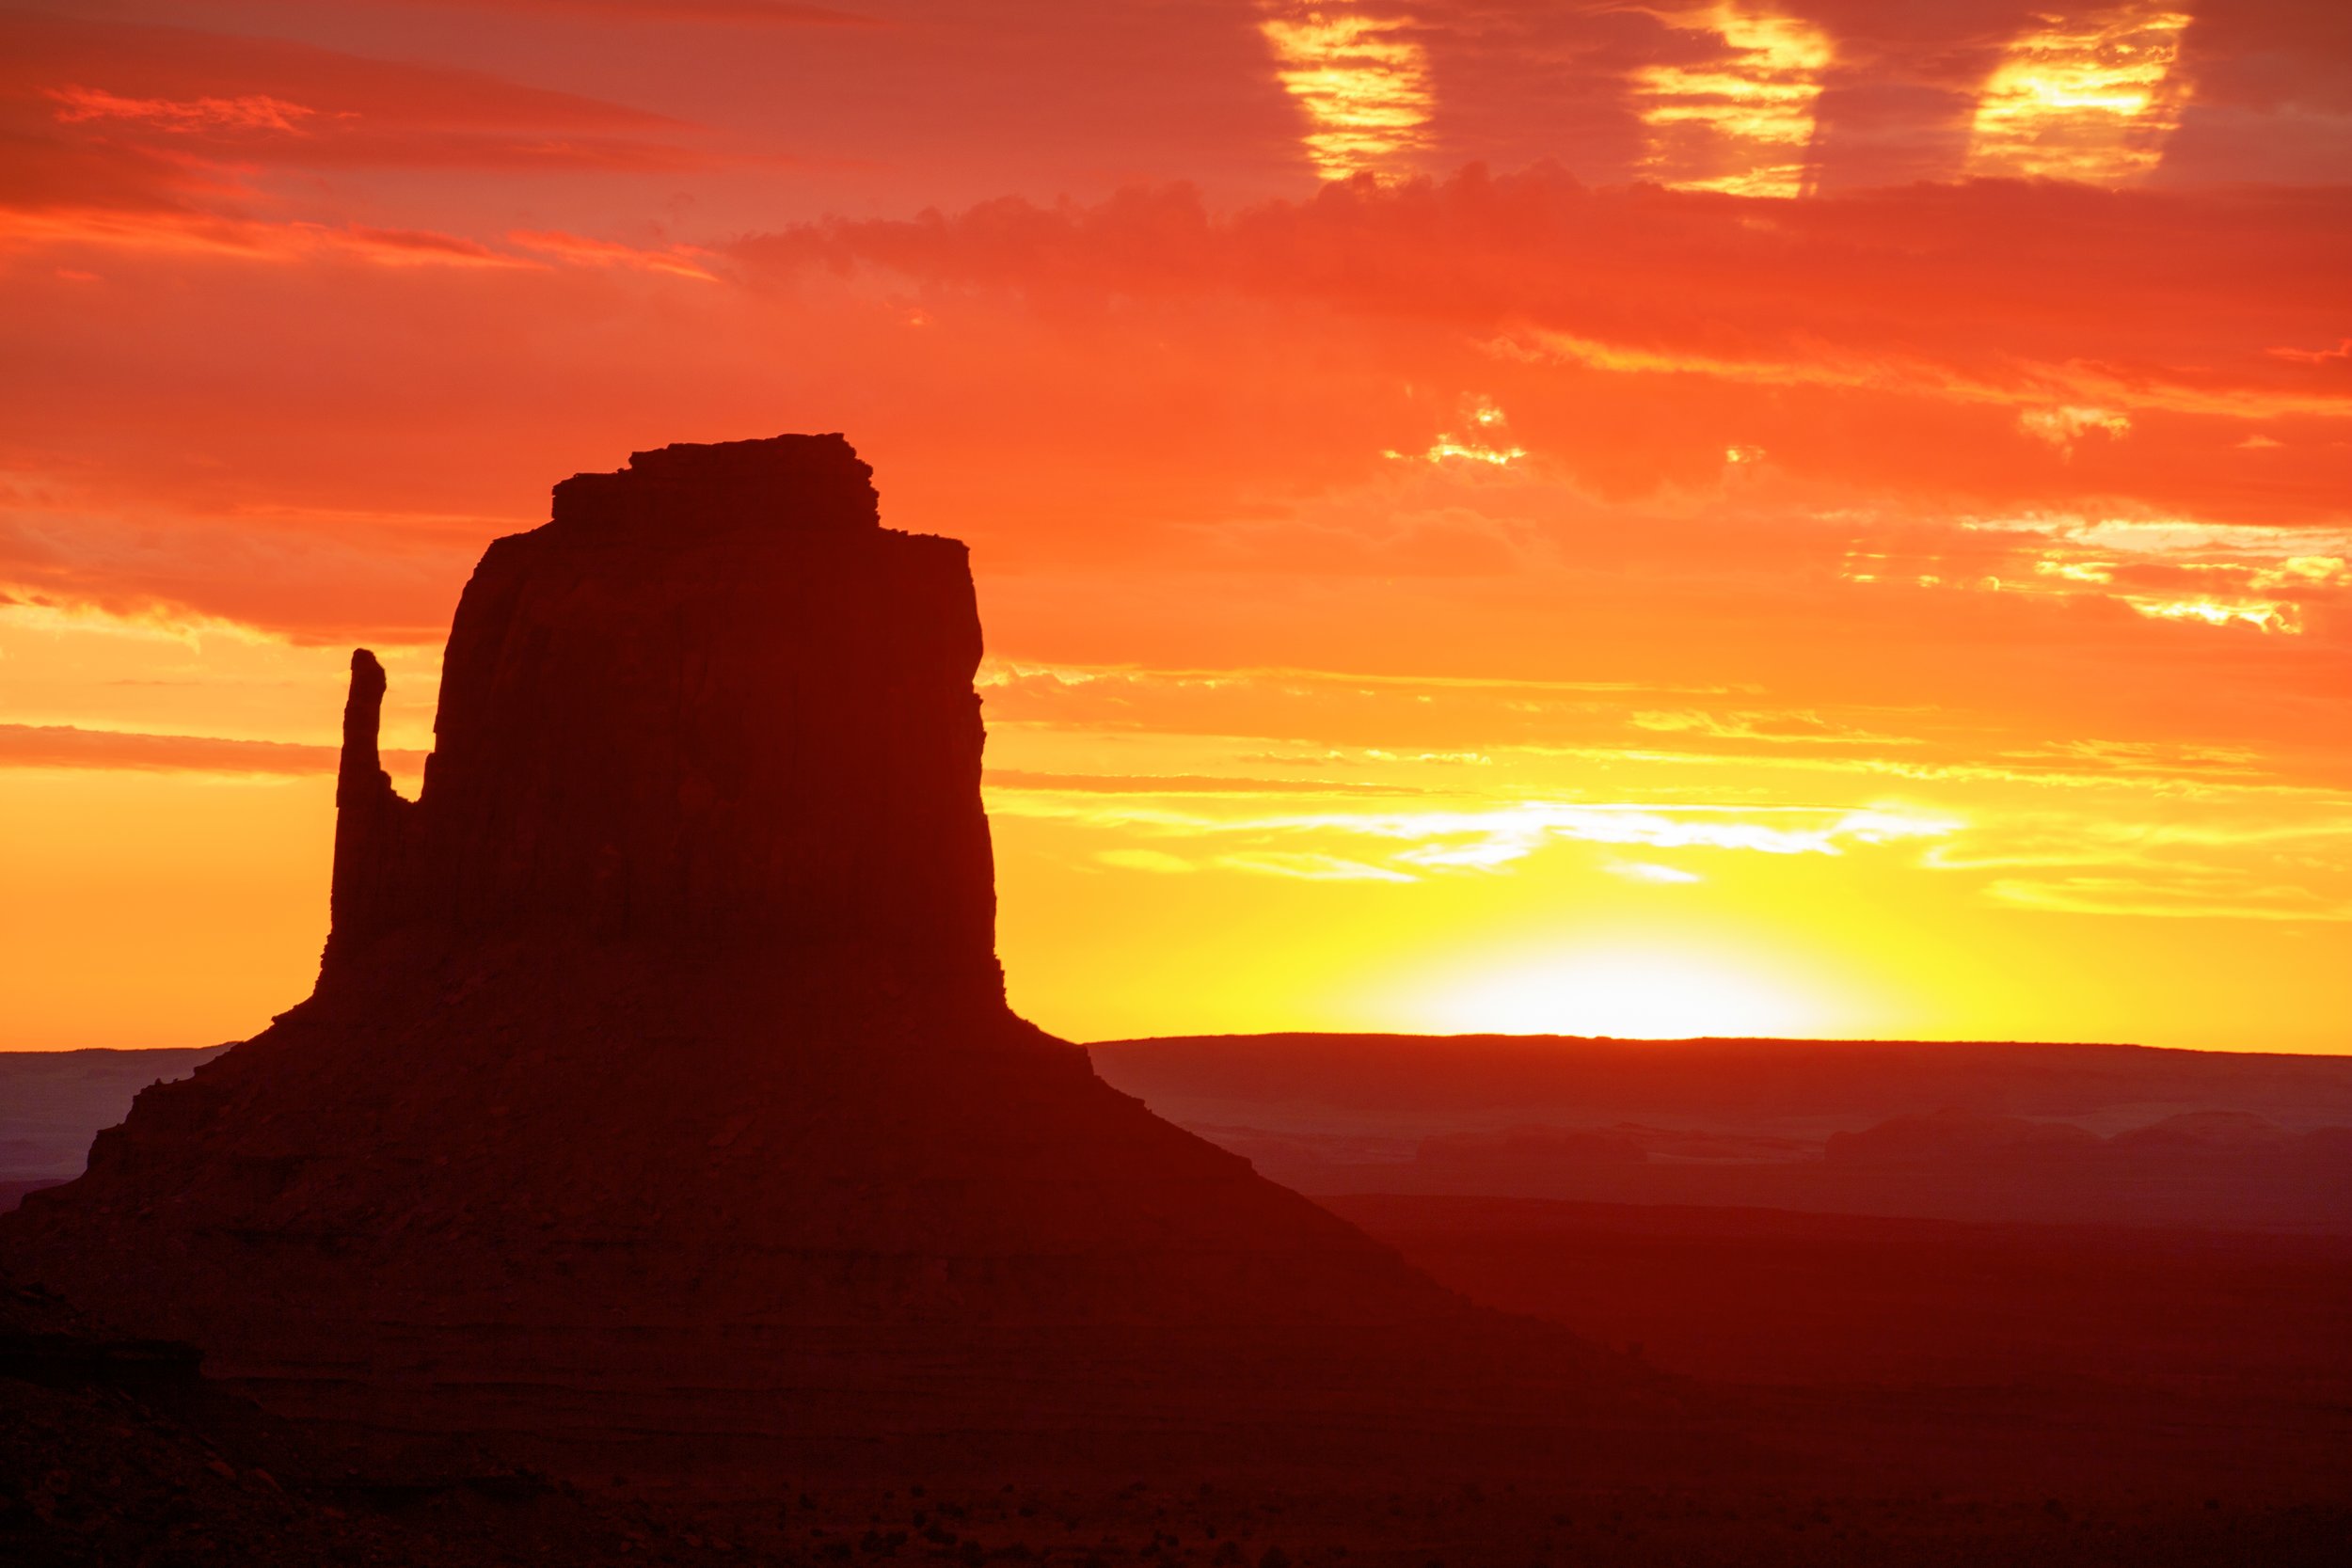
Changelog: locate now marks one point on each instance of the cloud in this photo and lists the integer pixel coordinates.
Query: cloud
(203, 234)
(1822, 296)
(1117, 784)
(250, 112)
(733, 13)
(177, 121)
(308, 577)
(1161, 422)
(2062, 427)
(1312, 868)
(2022, 383)
(2205, 898)
(1361, 82)
(1157, 861)
(1785, 728)
(674, 260)
(75, 72)
(2231, 856)
(67, 746)
(1486, 838)
(2182, 571)
(2093, 96)
(1645, 871)
(1742, 124)
(2342, 351)
(1419, 730)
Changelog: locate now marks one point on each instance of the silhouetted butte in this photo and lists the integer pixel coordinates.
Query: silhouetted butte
(658, 1079)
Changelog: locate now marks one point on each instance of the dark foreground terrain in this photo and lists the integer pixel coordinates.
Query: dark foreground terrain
(1765, 1297)
(1846, 1390)
(2081, 1134)
(1894, 1386)
(111, 1458)
(115, 1451)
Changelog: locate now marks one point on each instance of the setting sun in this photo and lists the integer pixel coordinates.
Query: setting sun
(1628, 993)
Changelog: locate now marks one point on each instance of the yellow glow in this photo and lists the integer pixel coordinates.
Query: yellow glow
(2036, 383)
(2060, 575)
(677, 260)
(219, 886)
(1632, 993)
(2076, 571)
(1365, 89)
(28, 610)
(2262, 613)
(2062, 427)
(2093, 96)
(2319, 571)
(1759, 868)
(1447, 446)
(1492, 424)
(1743, 125)
(2262, 587)
(1374, 841)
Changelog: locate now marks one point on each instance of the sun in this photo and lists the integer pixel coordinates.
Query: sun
(1629, 993)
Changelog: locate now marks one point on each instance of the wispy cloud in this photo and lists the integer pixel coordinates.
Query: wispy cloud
(674, 260)
(2092, 94)
(245, 112)
(204, 234)
(2212, 897)
(1308, 868)
(72, 747)
(1649, 871)
(1487, 838)
(2063, 426)
(733, 13)
(1191, 783)
(1359, 79)
(1742, 120)
(2036, 389)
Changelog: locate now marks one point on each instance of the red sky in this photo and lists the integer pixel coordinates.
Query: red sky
(1828, 518)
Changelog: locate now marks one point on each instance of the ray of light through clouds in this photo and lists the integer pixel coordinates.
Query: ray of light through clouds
(2088, 95)
(1362, 84)
(1742, 121)
(1690, 569)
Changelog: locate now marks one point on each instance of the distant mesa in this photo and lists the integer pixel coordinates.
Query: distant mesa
(1946, 1129)
(659, 1079)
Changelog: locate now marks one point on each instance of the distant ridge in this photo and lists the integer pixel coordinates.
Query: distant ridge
(1961, 1130)
(1754, 1076)
(53, 1101)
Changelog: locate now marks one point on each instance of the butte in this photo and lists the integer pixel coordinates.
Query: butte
(659, 1102)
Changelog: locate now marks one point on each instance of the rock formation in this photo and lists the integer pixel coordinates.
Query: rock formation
(712, 702)
(659, 1075)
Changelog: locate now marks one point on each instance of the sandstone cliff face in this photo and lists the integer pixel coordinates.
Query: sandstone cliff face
(712, 702)
(659, 1070)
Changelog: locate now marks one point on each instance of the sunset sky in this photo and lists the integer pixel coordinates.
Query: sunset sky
(1823, 519)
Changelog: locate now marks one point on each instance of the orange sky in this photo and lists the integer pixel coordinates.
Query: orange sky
(1815, 520)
